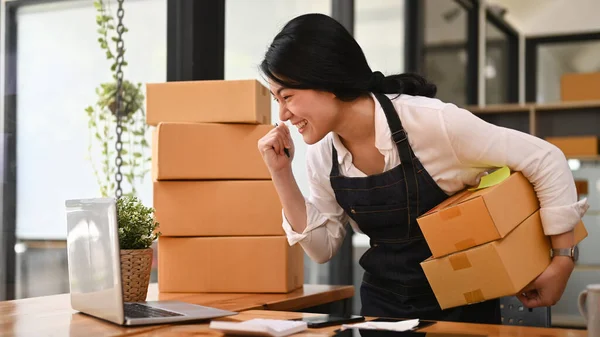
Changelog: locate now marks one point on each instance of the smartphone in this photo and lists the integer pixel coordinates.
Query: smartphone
(422, 323)
(325, 320)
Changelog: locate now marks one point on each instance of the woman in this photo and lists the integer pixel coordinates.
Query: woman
(383, 151)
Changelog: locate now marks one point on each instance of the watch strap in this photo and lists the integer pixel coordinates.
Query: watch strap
(562, 252)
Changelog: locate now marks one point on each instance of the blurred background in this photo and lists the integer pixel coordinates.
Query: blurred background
(498, 58)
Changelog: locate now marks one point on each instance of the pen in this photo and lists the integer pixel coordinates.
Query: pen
(287, 153)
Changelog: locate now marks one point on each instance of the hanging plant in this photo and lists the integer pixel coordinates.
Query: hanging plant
(102, 121)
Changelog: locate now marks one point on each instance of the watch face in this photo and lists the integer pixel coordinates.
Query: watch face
(575, 253)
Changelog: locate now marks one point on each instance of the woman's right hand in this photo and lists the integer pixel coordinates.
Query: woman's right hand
(272, 146)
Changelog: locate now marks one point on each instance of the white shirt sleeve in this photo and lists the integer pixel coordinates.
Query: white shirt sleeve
(477, 143)
(325, 219)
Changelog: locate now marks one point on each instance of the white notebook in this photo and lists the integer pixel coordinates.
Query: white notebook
(260, 327)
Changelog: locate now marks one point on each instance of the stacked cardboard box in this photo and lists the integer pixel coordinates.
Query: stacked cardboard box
(580, 86)
(219, 213)
(576, 146)
(486, 242)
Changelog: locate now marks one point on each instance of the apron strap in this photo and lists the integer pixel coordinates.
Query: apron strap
(335, 170)
(404, 150)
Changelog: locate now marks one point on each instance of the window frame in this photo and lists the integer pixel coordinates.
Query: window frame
(532, 45)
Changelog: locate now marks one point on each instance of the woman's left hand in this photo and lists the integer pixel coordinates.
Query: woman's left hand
(548, 288)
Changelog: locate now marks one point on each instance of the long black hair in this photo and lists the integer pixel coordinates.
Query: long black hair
(314, 51)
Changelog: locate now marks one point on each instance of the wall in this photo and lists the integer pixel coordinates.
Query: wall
(547, 17)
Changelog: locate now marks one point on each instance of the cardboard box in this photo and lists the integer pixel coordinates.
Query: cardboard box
(229, 264)
(471, 218)
(576, 145)
(217, 208)
(581, 186)
(243, 101)
(203, 151)
(580, 87)
(496, 269)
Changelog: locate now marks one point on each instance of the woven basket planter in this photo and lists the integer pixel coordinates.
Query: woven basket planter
(135, 272)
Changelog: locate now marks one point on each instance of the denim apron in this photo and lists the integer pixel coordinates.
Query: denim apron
(385, 207)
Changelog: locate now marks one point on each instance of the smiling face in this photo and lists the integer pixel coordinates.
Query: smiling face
(314, 113)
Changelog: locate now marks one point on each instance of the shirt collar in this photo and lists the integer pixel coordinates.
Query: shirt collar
(383, 135)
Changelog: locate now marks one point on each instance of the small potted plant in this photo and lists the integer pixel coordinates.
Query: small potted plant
(137, 231)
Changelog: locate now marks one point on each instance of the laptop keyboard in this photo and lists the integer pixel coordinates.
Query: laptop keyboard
(137, 310)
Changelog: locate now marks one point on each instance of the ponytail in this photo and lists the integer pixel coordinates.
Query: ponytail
(407, 83)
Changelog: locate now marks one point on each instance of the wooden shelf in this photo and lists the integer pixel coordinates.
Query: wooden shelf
(585, 158)
(567, 105)
(499, 108)
(515, 108)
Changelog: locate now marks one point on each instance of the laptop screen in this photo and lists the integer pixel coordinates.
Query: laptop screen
(93, 257)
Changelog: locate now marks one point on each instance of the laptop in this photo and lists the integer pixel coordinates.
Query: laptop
(93, 257)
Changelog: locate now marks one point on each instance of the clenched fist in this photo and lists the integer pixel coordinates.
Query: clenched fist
(272, 146)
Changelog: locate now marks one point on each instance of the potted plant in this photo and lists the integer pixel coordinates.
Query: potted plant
(137, 231)
(102, 118)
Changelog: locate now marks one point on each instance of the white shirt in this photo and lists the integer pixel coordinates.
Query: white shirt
(456, 148)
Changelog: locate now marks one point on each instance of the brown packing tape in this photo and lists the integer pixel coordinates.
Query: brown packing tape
(459, 261)
(474, 296)
(464, 244)
(449, 213)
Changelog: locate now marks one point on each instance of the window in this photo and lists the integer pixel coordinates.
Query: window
(446, 51)
(59, 65)
(379, 30)
(501, 63)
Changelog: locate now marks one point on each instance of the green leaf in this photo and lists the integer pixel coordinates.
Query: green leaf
(124, 152)
(111, 26)
(97, 5)
(98, 136)
(137, 228)
(89, 109)
(101, 31)
(113, 68)
(144, 143)
(137, 155)
(109, 55)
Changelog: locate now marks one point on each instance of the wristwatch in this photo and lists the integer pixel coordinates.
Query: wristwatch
(572, 252)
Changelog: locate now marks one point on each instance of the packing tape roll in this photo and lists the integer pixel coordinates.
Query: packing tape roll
(475, 296)
(449, 213)
(459, 261)
(465, 244)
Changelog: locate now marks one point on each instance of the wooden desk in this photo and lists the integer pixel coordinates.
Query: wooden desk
(448, 328)
(53, 316)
